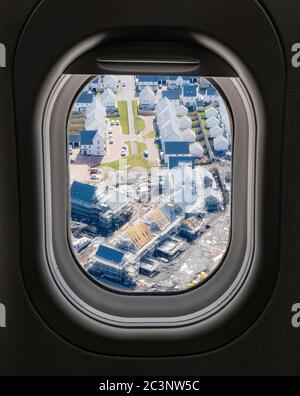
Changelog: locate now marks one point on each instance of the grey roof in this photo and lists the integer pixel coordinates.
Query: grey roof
(83, 192)
(177, 148)
(172, 94)
(189, 91)
(211, 91)
(148, 78)
(110, 254)
(85, 97)
(74, 138)
(168, 211)
(87, 137)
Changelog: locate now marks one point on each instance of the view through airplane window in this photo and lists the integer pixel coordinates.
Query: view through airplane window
(150, 166)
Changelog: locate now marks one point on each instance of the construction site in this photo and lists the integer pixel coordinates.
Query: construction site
(138, 243)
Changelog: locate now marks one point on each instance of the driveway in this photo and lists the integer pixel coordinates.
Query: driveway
(79, 171)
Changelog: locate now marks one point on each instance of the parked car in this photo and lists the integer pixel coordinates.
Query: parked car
(95, 177)
(117, 122)
(123, 153)
(94, 171)
(112, 123)
(110, 141)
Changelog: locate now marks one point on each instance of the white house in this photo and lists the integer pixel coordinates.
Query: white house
(212, 122)
(196, 150)
(147, 99)
(189, 98)
(83, 101)
(211, 95)
(92, 143)
(170, 125)
(204, 83)
(109, 99)
(216, 131)
(164, 104)
(185, 122)
(221, 144)
(177, 153)
(174, 82)
(150, 81)
(181, 111)
(95, 84)
(96, 106)
(212, 200)
(166, 115)
(94, 121)
(211, 112)
(208, 179)
(173, 95)
(225, 115)
(189, 135)
(110, 82)
(170, 135)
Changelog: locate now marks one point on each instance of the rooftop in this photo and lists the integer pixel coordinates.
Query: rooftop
(87, 137)
(110, 254)
(85, 97)
(83, 192)
(175, 162)
(173, 94)
(190, 91)
(177, 148)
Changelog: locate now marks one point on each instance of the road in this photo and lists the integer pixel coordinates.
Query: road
(208, 146)
(127, 93)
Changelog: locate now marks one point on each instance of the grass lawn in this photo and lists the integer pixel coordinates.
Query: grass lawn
(114, 165)
(122, 106)
(141, 147)
(135, 161)
(139, 123)
(150, 135)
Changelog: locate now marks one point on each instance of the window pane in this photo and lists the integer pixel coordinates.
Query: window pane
(150, 180)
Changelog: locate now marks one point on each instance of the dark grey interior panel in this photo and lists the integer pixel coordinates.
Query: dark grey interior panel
(57, 298)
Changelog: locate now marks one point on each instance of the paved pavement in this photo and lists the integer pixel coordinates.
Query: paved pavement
(153, 152)
(132, 131)
(80, 170)
(128, 93)
(114, 150)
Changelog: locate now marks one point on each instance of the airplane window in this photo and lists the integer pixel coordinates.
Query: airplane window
(150, 171)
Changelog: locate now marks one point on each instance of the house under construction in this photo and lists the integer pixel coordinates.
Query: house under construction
(104, 211)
